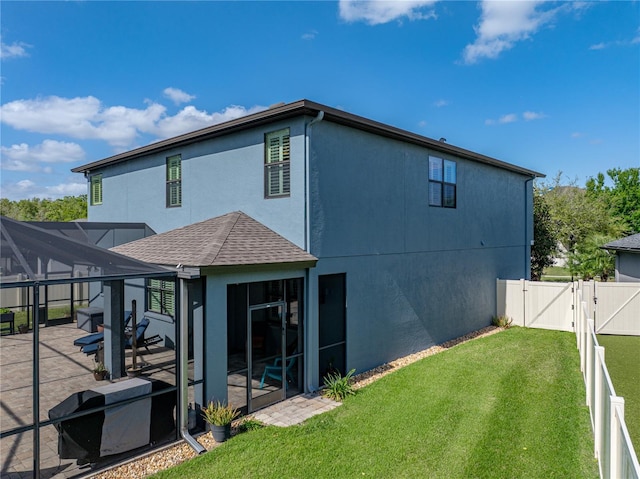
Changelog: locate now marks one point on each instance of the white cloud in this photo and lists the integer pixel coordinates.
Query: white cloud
(87, 118)
(22, 157)
(617, 43)
(422, 123)
(577, 134)
(503, 23)
(375, 12)
(310, 35)
(440, 103)
(513, 117)
(509, 118)
(190, 119)
(177, 96)
(532, 115)
(15, 50)
(29, 189)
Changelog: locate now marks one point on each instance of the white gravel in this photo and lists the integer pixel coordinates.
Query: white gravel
(147, 465)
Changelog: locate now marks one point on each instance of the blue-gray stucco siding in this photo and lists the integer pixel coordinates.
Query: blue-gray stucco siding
(218, 176)
(416, 275)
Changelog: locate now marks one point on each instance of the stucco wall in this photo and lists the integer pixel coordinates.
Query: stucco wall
(416, 275)
(215, 329)
(627, 267)
(218, 176)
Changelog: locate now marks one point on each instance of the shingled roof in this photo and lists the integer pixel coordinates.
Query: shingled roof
(230, 240)
(630, 243)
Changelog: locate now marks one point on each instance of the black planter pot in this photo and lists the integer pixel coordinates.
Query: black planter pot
(220, 433)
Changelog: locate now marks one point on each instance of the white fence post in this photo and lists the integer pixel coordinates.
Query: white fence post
(598, 405)
(589, 375)
(616, 417)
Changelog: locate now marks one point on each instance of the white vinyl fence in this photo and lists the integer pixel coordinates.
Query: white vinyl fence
(614, 307)
(613, 447)
(586, 308)
(20, 299)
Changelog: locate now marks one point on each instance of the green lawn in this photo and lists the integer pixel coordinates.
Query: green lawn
(506, 406)
(57, 312)
(622, 356)
(556, 273)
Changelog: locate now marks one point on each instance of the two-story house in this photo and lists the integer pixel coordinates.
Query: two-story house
(318, 241)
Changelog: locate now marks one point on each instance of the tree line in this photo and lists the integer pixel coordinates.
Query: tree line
(577, 219)
(68, 208)
(582, 219)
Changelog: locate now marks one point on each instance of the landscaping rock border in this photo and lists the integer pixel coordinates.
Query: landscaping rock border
(173, 455)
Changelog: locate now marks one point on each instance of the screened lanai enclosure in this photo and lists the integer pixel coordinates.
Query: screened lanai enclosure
(58, 419)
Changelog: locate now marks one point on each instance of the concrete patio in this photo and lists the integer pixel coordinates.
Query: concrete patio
(64, 369)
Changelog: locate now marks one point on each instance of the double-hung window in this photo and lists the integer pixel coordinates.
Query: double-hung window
(96, 190)
(442, 182)
(174, 181)
(161, 296)
(277, 180)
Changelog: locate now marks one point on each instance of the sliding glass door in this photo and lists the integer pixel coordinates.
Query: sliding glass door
(265, 342)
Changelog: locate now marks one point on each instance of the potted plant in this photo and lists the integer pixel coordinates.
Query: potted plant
(100, 372)
(219, 417)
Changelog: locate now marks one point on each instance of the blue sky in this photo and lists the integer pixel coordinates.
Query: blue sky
(550, 86)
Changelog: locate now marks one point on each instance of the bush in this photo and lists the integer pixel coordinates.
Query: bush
(502, 321)
(219, 413)
(338, 387)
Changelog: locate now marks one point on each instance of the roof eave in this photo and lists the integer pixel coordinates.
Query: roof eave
(301, 108)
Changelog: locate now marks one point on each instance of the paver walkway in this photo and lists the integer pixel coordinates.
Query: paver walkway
(295, 410)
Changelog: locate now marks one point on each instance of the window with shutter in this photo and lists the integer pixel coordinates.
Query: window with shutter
(161, 296)
(174, 181)
(442, 182)
(96, 190)
(277, 181)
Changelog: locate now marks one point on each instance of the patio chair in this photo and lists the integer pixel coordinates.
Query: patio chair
(274, 371)
(97, 337)
(141, 341)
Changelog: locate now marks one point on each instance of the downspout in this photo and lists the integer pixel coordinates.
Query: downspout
(307, 231)
(183, 379)
(307, 181)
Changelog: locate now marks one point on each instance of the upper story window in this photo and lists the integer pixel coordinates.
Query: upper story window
(174, 181)
(96, 190)
(277, 180)
(442, 182)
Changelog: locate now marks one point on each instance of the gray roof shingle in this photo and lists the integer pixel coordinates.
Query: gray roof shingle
(228, 240)
(630, 243)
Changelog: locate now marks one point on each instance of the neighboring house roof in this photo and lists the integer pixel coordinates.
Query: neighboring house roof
(298, 108)
(233, 239)
(630, 243)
